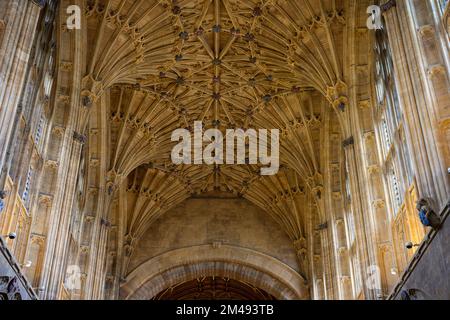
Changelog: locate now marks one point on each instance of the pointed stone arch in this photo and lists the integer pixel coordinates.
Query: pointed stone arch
(242, 264)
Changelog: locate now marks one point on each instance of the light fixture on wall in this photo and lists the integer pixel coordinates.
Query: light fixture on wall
(410, 245)
(11, 235)
(394, 271)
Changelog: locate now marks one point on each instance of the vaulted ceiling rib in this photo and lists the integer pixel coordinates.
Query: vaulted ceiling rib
(230, 64)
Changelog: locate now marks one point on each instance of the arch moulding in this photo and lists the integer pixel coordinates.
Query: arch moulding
(181, 265)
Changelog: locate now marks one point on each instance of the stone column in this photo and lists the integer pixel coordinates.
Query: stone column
(71, 117)
(360, 218)
(334, 200)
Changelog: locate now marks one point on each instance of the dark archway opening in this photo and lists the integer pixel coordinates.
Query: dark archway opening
(214, 288)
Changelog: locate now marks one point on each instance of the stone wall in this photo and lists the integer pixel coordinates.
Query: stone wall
(230, 221)
(428, 276)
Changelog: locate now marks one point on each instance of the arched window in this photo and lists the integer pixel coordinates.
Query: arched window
(26, 190)
(39, 130)
(395, 190)
(387, 139)
(395, 152)
(48, 80)
(398, 171)
(46, 90)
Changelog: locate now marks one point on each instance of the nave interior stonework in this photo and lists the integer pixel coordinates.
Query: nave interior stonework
(93, 207)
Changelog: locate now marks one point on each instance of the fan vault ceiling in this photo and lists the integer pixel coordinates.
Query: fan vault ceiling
(156, 66)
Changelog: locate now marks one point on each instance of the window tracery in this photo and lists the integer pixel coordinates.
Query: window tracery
(394, 154)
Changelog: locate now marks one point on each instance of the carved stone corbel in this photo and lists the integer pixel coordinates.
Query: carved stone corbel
(436, 71)
(300, 248)
(80, 138)
(315, 184)
(92, 90)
